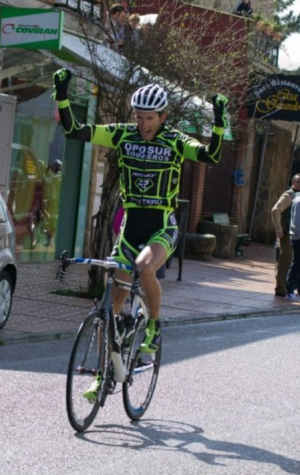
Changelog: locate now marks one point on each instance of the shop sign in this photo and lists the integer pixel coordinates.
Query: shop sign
(30, 28)
(276, 98)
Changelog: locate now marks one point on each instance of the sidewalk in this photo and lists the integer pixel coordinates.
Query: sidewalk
(218, 289)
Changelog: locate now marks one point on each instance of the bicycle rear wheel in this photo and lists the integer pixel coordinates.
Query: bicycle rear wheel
(87, 360)
(140, 384)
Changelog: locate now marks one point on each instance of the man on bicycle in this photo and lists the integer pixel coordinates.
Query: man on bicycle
(150, 158)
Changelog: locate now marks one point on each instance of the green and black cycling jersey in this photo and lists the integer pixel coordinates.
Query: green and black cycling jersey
(149, 170)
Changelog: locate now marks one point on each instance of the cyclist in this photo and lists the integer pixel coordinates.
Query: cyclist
(150, 158)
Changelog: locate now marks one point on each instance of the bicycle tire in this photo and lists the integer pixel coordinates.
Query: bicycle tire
(88, 358)
(6, 296)
(139, 387)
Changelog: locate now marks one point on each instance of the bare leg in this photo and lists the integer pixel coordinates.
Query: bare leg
(150, 259)
(119, 293)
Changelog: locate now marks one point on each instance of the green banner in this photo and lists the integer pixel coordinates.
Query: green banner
(31, 28)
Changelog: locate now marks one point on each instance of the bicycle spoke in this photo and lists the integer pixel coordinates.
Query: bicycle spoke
(139, 387)
(84, 365)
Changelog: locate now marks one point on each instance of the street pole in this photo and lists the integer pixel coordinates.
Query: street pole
(293, 151)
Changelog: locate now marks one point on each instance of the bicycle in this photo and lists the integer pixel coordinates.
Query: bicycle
(97, 351)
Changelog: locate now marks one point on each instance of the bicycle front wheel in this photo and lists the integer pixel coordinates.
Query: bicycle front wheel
(86, 362)
(140, 384)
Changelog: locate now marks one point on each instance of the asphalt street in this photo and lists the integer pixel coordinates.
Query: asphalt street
(227, 402)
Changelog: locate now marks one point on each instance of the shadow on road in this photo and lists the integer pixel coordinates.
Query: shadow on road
(189, 439)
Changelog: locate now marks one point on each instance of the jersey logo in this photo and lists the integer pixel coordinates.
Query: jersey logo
(143, 184)
(147, 152)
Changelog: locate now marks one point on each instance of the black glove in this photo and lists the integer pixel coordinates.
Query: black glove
(61, 82)
(219, 103)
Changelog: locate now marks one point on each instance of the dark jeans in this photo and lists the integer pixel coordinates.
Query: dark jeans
(283, 263)
(161, 272)
(293, 277)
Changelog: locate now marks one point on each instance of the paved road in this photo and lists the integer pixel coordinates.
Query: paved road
(227, 402)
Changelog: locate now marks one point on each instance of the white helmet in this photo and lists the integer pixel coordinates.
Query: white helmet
(151, 97)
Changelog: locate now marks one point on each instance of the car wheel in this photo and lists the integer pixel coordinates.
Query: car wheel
(6, 293)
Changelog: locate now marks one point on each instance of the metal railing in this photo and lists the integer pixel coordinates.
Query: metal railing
(88, 8)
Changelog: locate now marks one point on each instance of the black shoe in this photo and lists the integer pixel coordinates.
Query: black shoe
(280, 294)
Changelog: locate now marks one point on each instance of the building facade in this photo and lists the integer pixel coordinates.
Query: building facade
(236, 187)
(55, 184)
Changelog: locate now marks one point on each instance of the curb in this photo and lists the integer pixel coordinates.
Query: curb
(37, 338)
(226, 316)
(65, 335)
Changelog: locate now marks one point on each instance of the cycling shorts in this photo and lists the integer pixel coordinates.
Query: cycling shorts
(141, 227)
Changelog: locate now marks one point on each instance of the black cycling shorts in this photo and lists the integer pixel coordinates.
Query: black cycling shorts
(141, 227)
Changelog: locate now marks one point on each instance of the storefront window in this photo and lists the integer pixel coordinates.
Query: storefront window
(36, 178)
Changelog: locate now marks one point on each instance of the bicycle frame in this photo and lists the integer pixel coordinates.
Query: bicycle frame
(110, 266)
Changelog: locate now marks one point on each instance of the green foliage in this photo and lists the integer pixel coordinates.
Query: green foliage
(281, 5)
(287, 20)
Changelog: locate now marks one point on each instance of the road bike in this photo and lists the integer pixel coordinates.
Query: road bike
(98, 351)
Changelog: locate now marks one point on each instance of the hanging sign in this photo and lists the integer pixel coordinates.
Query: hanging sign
(31, 28)
(276, 98)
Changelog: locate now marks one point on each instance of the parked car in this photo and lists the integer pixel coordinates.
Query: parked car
(8, 266)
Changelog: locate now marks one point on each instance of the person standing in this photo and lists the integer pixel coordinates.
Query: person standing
(118, 26)
(244, 8)
(286, 219)
(136, 34)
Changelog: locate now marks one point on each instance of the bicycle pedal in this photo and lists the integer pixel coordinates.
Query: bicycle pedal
(111, 386)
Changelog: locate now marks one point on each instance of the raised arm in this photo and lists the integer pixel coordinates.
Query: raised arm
(198, 152)
(73, 128)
